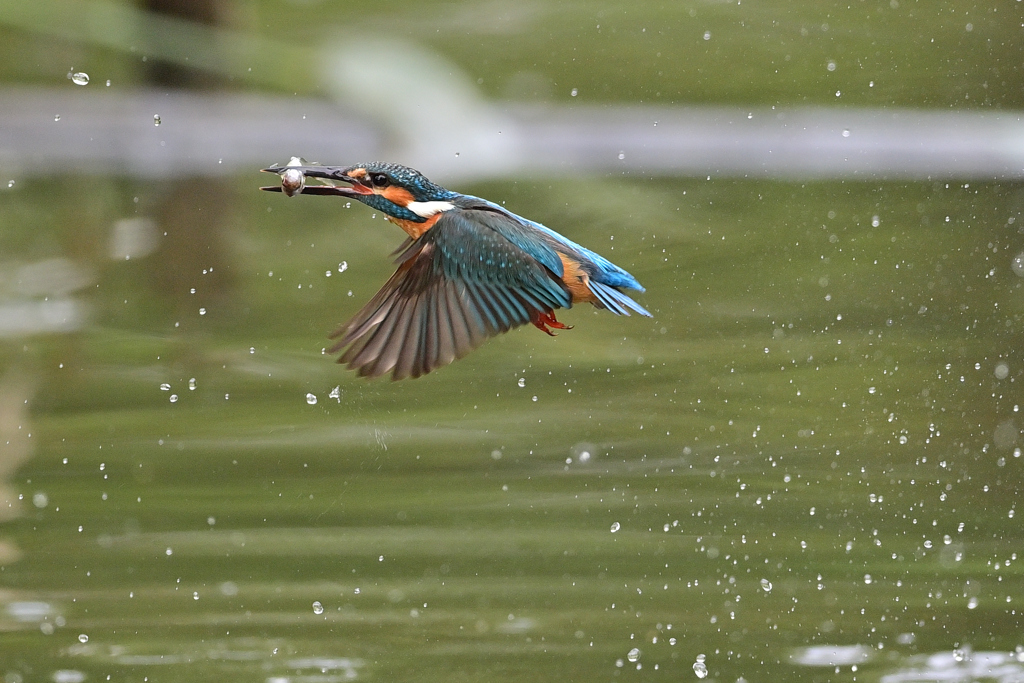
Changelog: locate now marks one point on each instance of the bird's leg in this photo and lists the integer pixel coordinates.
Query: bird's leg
(542, 320)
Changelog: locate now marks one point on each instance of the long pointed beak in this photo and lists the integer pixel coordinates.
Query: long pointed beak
(316, 189)
(293, 181)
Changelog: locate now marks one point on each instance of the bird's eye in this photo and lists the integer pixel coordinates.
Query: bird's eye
(379, 179)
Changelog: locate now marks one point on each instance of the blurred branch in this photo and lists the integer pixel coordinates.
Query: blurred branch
(402, 117)
(234, 55)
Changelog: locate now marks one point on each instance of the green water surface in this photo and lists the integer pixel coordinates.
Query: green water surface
(810, 453)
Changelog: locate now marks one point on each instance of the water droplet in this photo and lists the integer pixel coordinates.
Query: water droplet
(343, 266)
(522, 382)
(318, 608)
(252, 349)
(831, 66)
(40, 500)
(156, 120)
(972, 603)
(622, 155)
(108, 82)
(958, 655)
(80, 78)
(534, 399)
(174, 398)
(707, 35)
(311, 399)
(82, 638)
(1017, 264)
(10, 183)
(195, 595)
(336, 393)
(633, 655)
(867, 578)
(169, 552)
(700, 668)
(56, 117)
(766, 585)
(574, 92)
(875, 222)
(846, 132)
(202, 311)
(192, 384)
(615, 527)
(871, 390)
(1002, 371)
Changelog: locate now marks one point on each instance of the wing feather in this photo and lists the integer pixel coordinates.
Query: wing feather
(459, 283)
(395, 341)
(431, 335)
(446, 342)
(492, 316)
(409, 348)
(368, 353)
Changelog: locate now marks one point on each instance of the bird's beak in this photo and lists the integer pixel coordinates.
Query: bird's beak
(292, 184)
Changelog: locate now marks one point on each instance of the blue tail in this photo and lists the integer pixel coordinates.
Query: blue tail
(614, 300)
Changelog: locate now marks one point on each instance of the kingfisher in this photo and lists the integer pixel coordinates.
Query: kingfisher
(469, 270)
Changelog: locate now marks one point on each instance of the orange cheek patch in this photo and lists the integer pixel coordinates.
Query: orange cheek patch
(397, 195)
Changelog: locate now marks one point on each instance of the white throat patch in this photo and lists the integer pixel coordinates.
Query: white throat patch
(428, 209)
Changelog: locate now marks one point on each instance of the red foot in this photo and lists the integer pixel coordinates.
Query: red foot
(542, 320)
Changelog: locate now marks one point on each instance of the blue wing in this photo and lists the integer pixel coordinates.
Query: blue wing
(460, 283)
(605, 271)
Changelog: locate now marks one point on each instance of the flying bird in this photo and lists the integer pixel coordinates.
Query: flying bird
(469, 270)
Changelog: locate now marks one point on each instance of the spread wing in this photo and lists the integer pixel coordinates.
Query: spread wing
(458, 284)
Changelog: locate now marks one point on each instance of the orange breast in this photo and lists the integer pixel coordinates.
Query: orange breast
(414, 229)
(576, 280)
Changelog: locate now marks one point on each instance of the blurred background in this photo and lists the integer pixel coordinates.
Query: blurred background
(806, 466)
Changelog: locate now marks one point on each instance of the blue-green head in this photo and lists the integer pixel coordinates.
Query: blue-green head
(396, 190)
